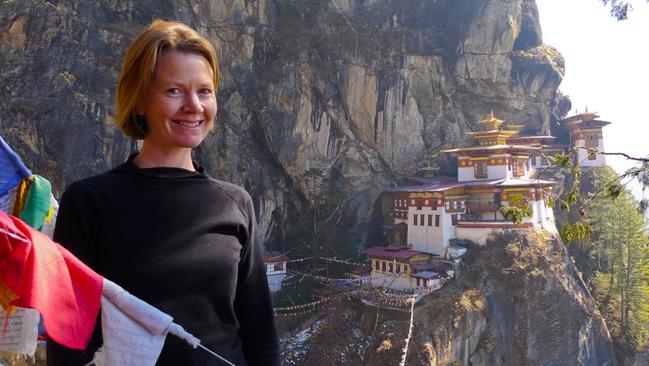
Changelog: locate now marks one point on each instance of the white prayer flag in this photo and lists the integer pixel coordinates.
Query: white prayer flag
(134, 332)
(20, 332)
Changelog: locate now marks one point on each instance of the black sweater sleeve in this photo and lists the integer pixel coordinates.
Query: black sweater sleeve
(252, 304)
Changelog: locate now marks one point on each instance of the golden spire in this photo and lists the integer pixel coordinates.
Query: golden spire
(490, 122)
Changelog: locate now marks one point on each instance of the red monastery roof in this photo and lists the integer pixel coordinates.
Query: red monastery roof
(500, 182)
(270, 256)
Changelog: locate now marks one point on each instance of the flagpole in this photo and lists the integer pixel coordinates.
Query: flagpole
(216, 354)
(12, 235)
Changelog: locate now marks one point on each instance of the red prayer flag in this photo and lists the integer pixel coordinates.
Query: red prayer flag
(46, 277)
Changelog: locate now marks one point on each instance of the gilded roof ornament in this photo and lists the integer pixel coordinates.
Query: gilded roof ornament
(490, 122)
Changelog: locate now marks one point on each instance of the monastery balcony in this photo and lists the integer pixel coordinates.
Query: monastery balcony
(493, 224)
(474, 206)
(470, 217)
(489, 221)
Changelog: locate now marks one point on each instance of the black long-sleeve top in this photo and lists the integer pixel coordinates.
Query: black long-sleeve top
(183, 242)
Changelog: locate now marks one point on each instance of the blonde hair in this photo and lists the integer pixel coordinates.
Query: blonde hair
(140, 62)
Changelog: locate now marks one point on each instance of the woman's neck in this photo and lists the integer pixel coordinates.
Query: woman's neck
(156, 158)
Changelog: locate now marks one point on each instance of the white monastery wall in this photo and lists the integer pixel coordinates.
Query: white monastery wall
(448, 231)
(498, 172)
(465, 174)
(275, 282)
(426, 238)
(582, 154)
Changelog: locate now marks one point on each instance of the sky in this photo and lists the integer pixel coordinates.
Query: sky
(607, 70)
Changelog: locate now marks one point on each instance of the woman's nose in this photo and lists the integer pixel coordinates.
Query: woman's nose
(193, 103)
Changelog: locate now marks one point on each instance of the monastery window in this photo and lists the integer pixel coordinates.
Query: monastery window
(390, 267)
(430, 220)
(454, 219)
(398, 268)
(480, 169)
(421, 220)
(518, 168)
(436, 220)
(414, 220)
(383, 266)
(592, 140)
(278, 267)
(376, 265)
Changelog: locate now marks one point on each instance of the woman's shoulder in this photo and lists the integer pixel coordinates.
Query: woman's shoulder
(235, 193)
(94, 183)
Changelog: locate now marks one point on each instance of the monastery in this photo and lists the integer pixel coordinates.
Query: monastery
(586, 138)
(428, 216)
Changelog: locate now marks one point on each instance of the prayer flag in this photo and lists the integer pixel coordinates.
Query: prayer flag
(46, 277)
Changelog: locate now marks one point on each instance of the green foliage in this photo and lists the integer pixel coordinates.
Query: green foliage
(577, 231)
(518, 209)
(614, 189)
(572, 197)
(549, 201)
(562, 160)
(620, 254)
(611, 230)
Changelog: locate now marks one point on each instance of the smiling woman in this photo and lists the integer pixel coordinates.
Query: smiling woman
(162, 228)
(178, 109)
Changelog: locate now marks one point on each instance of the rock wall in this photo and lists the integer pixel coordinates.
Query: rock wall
(363, 91)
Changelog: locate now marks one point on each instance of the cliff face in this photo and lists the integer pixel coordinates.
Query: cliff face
(519, 301)
(360, 90)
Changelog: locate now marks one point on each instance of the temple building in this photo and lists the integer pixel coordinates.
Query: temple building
(276, 270)
(427, 214)
(586, 138)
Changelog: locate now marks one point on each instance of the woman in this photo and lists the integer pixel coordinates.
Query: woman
(159, 226)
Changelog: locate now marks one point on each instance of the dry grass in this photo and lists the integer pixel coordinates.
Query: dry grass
(386, 345)
(533, 255)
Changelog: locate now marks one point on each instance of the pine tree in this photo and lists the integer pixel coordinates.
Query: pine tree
(620, 251)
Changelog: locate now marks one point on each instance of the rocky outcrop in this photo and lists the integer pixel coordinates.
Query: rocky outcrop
(363, 91)
(518, 301)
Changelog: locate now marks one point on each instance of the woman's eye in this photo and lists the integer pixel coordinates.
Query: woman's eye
(205, 91)
(173, 91)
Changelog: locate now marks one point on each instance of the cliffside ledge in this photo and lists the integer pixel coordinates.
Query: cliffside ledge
(517, 301)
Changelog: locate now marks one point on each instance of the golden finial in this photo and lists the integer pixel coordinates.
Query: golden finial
(490, 122)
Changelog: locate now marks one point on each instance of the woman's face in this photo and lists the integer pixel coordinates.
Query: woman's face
(180, 105)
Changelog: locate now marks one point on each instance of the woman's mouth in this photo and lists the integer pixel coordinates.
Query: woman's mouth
(190, 124)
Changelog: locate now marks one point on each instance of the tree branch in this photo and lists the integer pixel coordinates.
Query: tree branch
(629, 157)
